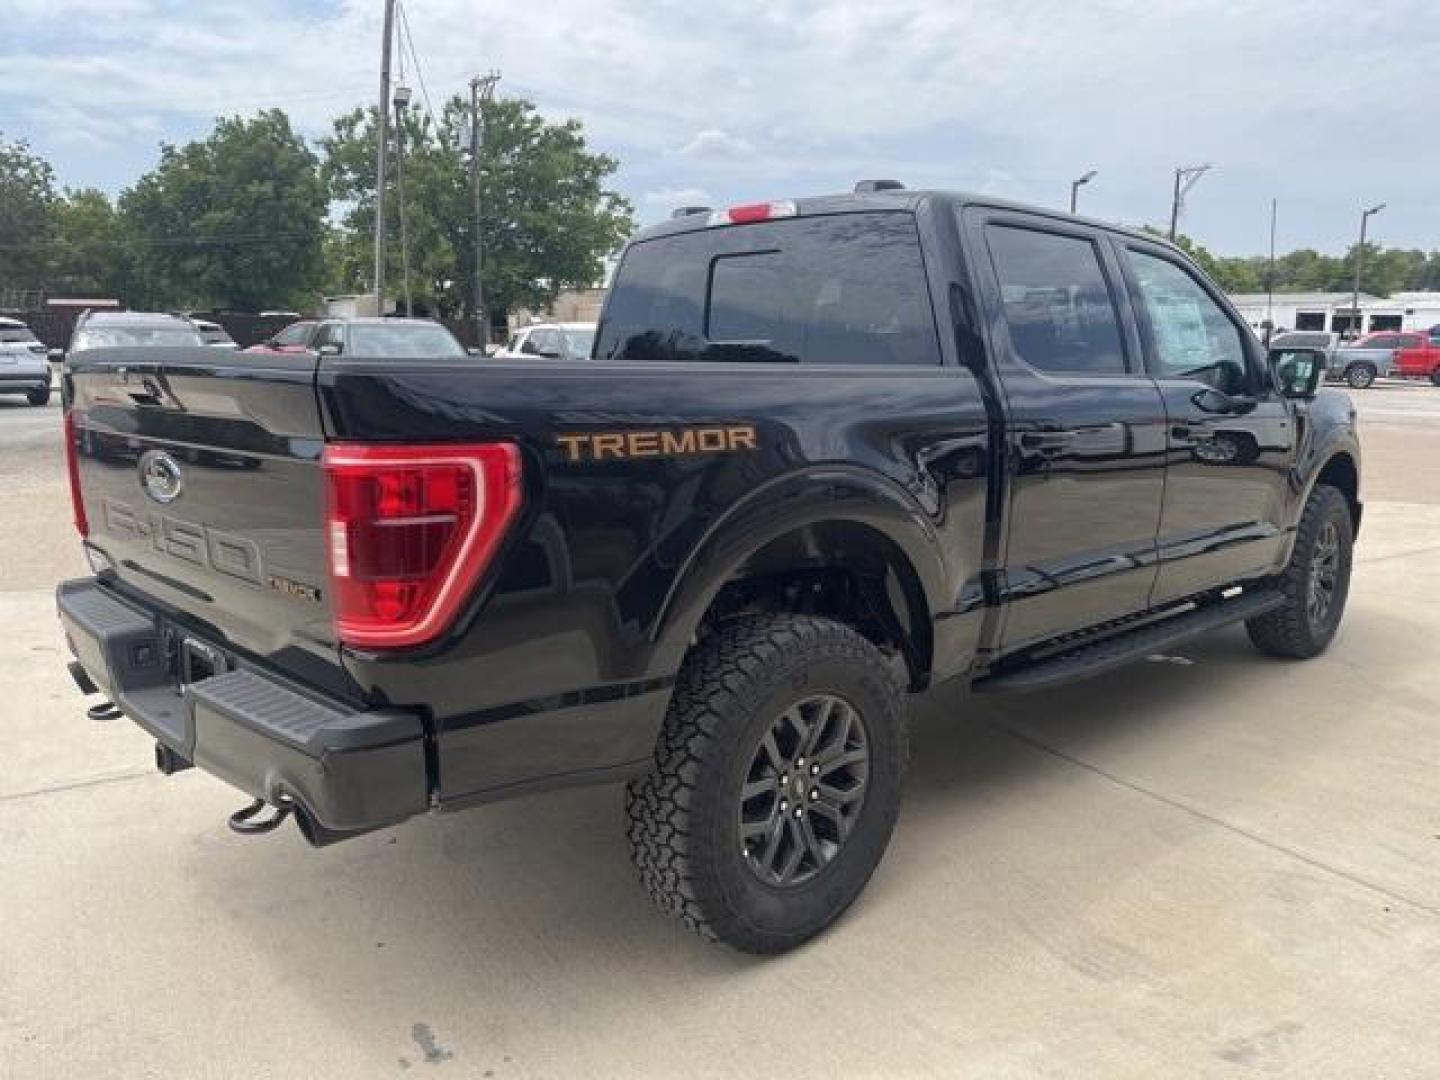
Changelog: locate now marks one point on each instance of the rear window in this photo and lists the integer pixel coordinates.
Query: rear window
(104, 337)
(839, 289)
(403, 341)
(1300, 341)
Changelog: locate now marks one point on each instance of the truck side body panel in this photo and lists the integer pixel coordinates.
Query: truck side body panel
(631, 525)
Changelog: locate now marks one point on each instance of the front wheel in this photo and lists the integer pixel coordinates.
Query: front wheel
(38, 397)
(1360, 376)
(1316, 582)
(1435, 377)
(776, 781)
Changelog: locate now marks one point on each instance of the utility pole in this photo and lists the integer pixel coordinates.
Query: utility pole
(1185, 179)
(482, 89)
(1075, 186)
(382, 143)
(1359, 262)
(1270, 277)
(402, 100)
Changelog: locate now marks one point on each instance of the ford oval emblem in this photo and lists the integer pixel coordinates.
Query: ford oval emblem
(160, 476)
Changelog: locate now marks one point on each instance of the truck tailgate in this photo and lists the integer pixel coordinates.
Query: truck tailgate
(201, 483)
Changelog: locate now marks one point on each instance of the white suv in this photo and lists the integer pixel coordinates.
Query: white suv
(24, 363)
(550, 341)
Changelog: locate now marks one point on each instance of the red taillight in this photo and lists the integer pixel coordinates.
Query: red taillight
(410, 530)
(72, 469)
(752, 212)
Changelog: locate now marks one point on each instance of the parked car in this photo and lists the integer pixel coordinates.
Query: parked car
(1417, 356)
(921, 437)
(24, 363)
(132, 329)
(400, 339)
(550, 341)
(214, 335)
(295, 338)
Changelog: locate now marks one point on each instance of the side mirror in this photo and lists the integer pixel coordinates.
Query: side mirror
(329, 349)
(474, 350)
(1297, 372)
(55, 355)
(549, 353)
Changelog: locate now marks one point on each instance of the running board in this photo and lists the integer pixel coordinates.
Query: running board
(1095, 658)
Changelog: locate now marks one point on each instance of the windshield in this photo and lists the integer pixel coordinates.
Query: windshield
(105, 337)
(15, 333)
(580, 342)
(403, 341)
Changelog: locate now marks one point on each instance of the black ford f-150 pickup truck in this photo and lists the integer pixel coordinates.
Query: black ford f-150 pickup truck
(827, 453)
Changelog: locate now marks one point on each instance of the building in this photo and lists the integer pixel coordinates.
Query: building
(1333, 311)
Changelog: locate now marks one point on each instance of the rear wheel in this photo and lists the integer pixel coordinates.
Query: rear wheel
(40, 396)
(1316, 582)
(776, 782)
(1435, 377)
(1360, 376)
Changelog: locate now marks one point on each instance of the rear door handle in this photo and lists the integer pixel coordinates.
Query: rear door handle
(1047, 440)
(1193, 436)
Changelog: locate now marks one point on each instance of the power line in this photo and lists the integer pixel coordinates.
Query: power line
(409, 39)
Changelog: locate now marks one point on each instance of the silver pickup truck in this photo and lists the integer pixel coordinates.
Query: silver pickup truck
(1357, 365)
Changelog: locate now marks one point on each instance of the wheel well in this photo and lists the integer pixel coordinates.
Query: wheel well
(844, 571)
(1340, 473)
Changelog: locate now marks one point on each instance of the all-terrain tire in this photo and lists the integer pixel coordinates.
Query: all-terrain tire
(685, 815)
(38, 397)
(1323, 547)
(1360, 376)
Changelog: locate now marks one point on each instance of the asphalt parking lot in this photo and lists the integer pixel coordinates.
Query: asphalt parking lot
(1206, 865)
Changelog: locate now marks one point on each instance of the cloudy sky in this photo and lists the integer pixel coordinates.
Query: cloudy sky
(1325, 105)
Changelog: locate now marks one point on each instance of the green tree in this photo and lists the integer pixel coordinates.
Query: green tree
(89, 254)
(548, 217)
(27, 201)
(236, 220)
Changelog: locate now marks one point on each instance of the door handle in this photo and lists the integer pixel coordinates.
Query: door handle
(1194, 436)
(1050, 441)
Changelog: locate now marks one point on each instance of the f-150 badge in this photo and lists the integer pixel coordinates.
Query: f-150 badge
(662, 442)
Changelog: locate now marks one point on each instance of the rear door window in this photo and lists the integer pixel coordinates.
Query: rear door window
(835, 289)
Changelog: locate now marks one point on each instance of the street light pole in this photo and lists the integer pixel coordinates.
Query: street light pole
(482, 88)
(1359, 262)
(382, 145)
(402, 101)
(1270, 276)
(1075, 186)
(1185, 179)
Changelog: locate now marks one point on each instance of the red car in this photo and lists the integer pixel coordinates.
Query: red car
(1417, 356)
(295, 338)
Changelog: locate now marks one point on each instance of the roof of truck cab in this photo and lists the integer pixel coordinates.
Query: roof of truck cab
(893, 199)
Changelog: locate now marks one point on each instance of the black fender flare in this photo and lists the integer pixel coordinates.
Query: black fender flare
(816, 495)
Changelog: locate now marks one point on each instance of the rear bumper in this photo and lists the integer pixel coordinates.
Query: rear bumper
(344, 771)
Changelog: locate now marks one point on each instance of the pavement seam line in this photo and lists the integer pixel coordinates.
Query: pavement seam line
(1140, 789)
(76, 785)
(1400, 554)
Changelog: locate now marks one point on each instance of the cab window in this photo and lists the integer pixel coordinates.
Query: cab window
(1058, 308)
(1191, 337)
(295, 334)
